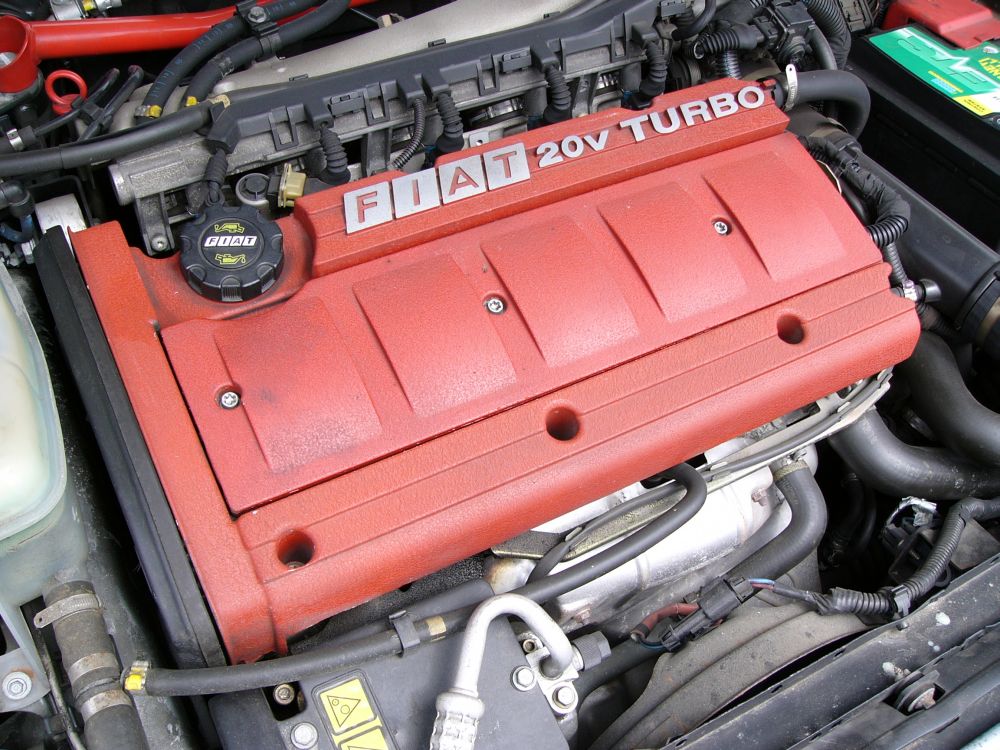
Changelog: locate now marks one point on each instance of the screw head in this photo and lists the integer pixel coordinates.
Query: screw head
(564, 696)
(283, 694)
(257, 14)
(721, 227)
(304, 736)
(16, 685)
(159, 243)
(529, 645)
(495, 305)
(229, 400)
(523, 678)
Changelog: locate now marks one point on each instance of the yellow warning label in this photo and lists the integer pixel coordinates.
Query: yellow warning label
(373, 739)
(347, 705)
(354, 717)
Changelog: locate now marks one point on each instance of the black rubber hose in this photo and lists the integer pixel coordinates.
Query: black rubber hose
(108, 111)
(201, 49)
(832, 23)
(560, 102)
(585, 571)
(91, 153)
(239, 677)
(837, 86)
(416, 142)
(94, 96)
(249, 50)
(803, 533)
(215, 177)
(335, 162)
(899, 599)
(892, 467)
(821, 49)
(625, 656)
(686, 30)
(559, 551)
(942, 399)
(841, 536)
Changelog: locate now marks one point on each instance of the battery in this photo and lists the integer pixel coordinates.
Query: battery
(935, 120)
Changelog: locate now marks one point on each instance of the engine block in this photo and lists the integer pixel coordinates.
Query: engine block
(453, 356)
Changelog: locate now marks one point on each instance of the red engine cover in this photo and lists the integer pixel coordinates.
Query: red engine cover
(391, 424)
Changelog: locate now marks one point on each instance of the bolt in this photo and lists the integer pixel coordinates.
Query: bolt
(564, 696)
(523, 678)
(283, 694)
(229, 400)
(16, 686)
(304, 736)
(529, 645)
(721, 227)
(495, 305)
(257, 15)
(922, 702)
(159, 243)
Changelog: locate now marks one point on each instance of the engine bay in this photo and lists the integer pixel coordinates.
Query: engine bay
(566, 374)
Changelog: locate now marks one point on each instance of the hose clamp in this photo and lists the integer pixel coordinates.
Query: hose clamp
(135, 678)
(402, 622)
(103, 700)
(792, 76)
(15, 140)
(70, 605)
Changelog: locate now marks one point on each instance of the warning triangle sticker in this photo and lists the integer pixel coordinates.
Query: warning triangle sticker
(340, 709)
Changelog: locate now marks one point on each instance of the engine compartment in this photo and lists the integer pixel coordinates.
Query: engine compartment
(555, 374)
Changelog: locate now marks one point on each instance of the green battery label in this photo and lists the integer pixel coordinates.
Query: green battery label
(969, 77)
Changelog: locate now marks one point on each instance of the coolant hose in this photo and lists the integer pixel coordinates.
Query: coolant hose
(459, 708)
(899, 598)
(249, 50)
(88, 654)
(803, 533)
(942, 399)
(839, 86)
(822, 50)
(197, 52)
(654, 82)
(211, 680)
(887, 464)
(830, 20)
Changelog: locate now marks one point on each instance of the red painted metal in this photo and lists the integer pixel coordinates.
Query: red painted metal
(390, 425)
(35, 41)
(964, 23)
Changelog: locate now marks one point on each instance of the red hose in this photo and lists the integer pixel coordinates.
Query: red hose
(48, 40)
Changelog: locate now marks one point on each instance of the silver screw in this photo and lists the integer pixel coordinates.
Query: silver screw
(529, 645)
(257, 14)
(564, 696)
(229, 400)
(304, 736)
(721, 227)
(523, 678)
(159, 243)
(284, 694)
(16, 686)
(495, 305)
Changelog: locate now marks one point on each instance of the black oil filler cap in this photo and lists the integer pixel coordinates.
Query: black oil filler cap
(231, 254)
